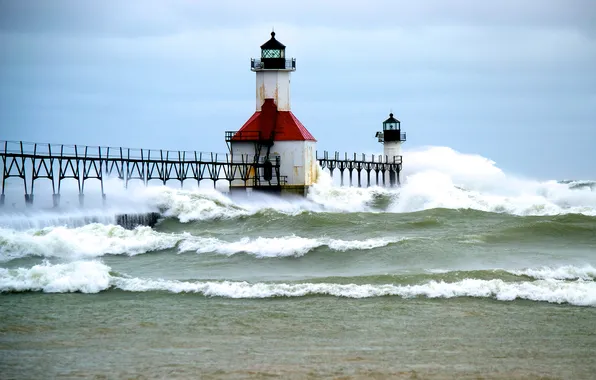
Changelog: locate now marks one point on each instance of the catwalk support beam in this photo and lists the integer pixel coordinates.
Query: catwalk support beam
(380, 164)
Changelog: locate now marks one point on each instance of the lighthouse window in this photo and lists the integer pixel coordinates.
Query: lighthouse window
(271, 53)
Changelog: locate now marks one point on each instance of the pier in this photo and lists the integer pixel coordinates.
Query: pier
(32, 162)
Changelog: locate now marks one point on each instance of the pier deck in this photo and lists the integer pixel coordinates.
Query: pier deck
(56, 162)
(31, 162)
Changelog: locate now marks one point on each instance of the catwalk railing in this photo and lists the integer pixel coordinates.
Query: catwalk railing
(55, 162)
(356, 164)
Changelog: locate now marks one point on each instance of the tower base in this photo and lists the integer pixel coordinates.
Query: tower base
(301, 190)
(286, 190)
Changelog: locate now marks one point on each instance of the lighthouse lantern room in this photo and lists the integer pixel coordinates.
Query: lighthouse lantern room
(273, 133)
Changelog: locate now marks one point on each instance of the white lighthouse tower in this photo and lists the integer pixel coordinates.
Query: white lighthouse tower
(273, 134)
(273, 74)
(392, 137)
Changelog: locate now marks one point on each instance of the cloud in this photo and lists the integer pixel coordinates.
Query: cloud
(477, 76)
(136, 18)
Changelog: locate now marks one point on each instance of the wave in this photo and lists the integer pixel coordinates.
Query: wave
(424, 190)
(78, 276)
(40, 219)
(440, 177)
(433, 178)
(567, 272)
(96, 240)
(190, 205)
(88, 241)
(282, 246)
(94, 277)
(568, 227)
(575, 293)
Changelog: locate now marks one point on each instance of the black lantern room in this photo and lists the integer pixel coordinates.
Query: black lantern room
(391, 124)
(391, 130)
(273, 57)
(273, 48)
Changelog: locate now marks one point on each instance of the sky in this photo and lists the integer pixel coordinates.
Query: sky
(513, 81)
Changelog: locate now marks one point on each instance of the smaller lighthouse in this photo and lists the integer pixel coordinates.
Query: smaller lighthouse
(391, 137)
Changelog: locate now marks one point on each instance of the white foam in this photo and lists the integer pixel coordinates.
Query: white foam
(196, 204)
(575, 293)
(342, 199)
(567, 272)
(93, 277)
(38, 219)
(96, 240)
(210, 204)
(78, 276)
(279, 247)
(91, 240)
(439, 177)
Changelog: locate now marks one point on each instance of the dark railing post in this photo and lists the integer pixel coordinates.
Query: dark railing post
(80, 180)
(4, 173)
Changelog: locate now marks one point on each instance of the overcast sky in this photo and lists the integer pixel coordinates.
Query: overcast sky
(514, 81)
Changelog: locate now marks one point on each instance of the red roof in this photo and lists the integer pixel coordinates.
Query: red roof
(284, 125)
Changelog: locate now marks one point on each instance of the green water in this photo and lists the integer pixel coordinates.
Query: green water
(440, 294)
(157, 335)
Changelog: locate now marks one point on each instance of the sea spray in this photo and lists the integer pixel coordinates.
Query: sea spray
(440, 177)
(342, 199)
(434, 177)
(38, 219)
(188, 205)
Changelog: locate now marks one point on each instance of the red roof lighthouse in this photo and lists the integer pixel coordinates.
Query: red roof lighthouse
(273, 132)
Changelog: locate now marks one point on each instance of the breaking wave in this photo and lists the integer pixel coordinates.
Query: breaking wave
(94, 277)
(96, 240)
(280, 247)
(433, 178)
(189, 205)
(567, 272)
(91, 240)
(41, 219)
(440, 177)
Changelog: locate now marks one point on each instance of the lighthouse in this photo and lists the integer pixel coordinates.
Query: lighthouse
(391, 137)
(273, 137)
